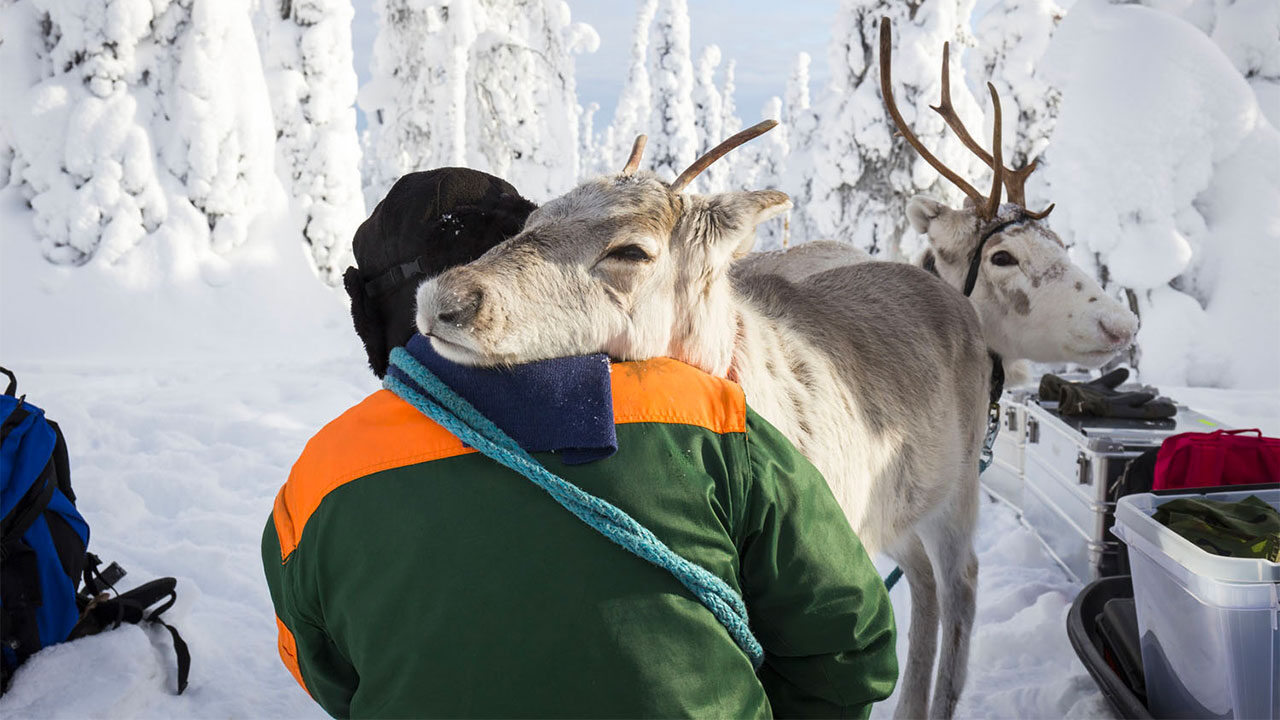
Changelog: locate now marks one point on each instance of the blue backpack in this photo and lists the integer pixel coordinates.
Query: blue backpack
(43, 556)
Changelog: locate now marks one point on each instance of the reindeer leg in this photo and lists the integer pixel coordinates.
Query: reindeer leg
(913, 700)
(949, 540)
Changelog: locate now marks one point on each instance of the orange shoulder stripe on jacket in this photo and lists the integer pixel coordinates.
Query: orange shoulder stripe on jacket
(384, 432)
(381, 433)
(667, 390)
(288, 648)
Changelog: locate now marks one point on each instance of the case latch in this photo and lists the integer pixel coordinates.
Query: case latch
(1083, 465)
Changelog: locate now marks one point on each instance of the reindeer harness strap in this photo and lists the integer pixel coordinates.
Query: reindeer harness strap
(438, 401)
(997, 362)
(975, 260)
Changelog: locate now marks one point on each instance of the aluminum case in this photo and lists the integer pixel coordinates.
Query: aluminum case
(1071, 465)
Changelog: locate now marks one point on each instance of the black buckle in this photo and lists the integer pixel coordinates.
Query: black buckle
(105, 579)
(393, 278)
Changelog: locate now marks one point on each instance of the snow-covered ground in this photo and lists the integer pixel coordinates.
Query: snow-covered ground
(176, 465)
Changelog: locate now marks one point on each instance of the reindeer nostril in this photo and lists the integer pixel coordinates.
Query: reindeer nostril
(1113, 336)
(462, 310)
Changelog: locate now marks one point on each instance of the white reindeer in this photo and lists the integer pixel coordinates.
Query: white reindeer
(877, 372)
(1033, 302)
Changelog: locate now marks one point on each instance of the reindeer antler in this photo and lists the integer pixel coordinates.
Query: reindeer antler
(1014, 180)
(987, 207)
(720, 151)
(997, 168)
(637, 149)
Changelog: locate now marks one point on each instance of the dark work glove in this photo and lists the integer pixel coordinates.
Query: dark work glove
(1099, 398)
(1052, 385)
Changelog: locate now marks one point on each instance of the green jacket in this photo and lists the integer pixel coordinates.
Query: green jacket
(412, 577)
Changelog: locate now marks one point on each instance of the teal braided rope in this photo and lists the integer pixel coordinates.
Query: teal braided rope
(459, 417)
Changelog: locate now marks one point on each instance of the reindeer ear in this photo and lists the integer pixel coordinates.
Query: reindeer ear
(922, 210)
(949, 231)
(732, 217)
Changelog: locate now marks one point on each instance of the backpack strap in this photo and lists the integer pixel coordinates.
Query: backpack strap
(12, 389)
(61, 462)
(33, 503)
(107, 613)
(14, 419)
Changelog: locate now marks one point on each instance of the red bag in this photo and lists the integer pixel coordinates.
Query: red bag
(1222, 457)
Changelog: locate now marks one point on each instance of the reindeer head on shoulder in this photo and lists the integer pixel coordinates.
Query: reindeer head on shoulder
(1033, 302)
(624, 264)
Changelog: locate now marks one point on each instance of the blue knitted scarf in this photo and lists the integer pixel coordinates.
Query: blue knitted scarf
(438, 401)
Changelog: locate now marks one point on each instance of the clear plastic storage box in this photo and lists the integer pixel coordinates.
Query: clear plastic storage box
(1210, 625)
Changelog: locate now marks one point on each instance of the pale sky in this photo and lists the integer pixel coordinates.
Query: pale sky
(762, 37)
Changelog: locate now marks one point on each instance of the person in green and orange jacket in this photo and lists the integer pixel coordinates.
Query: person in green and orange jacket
(414, 577)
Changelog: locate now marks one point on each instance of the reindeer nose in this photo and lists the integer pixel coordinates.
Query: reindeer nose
(461, 308)
(1113, 335)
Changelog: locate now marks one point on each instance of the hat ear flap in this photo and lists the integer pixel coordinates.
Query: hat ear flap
(368, 321)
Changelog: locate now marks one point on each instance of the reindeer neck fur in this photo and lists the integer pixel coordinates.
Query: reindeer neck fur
(728, 335)
(818, 364)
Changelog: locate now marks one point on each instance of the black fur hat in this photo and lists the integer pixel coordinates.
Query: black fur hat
(428, 222)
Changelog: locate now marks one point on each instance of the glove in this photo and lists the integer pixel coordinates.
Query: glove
(1099, 398)
(1052, 385)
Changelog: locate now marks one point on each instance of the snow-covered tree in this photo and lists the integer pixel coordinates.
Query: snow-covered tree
(313, 90)
(673, 142)
(730, 123)
(797, 98)
(631, 115)
(486, 84)
(217, 127)
(708, 113)
(1248, 31)
(590, 143)
(863, 175)
(128, 114)
(415, 101)
(1166, 182)
(763, 164)
(1012, 38)
(79, 155)
(802, 125)
(522, 108)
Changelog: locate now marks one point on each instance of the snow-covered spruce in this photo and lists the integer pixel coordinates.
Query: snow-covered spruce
(631, 114)
(308, 59)
(673, 142)
(127, 115)
(1246, 31)
(522, 102)
(861, 177)
(708, 113)
(1012, 38)
(415, 102)
(802, 129)
(763, 164)
(485, 85)
(1166, 184)
(78, 150)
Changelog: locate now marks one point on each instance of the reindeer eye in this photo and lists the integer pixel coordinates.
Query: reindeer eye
(629, 253)
(1003, 258)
